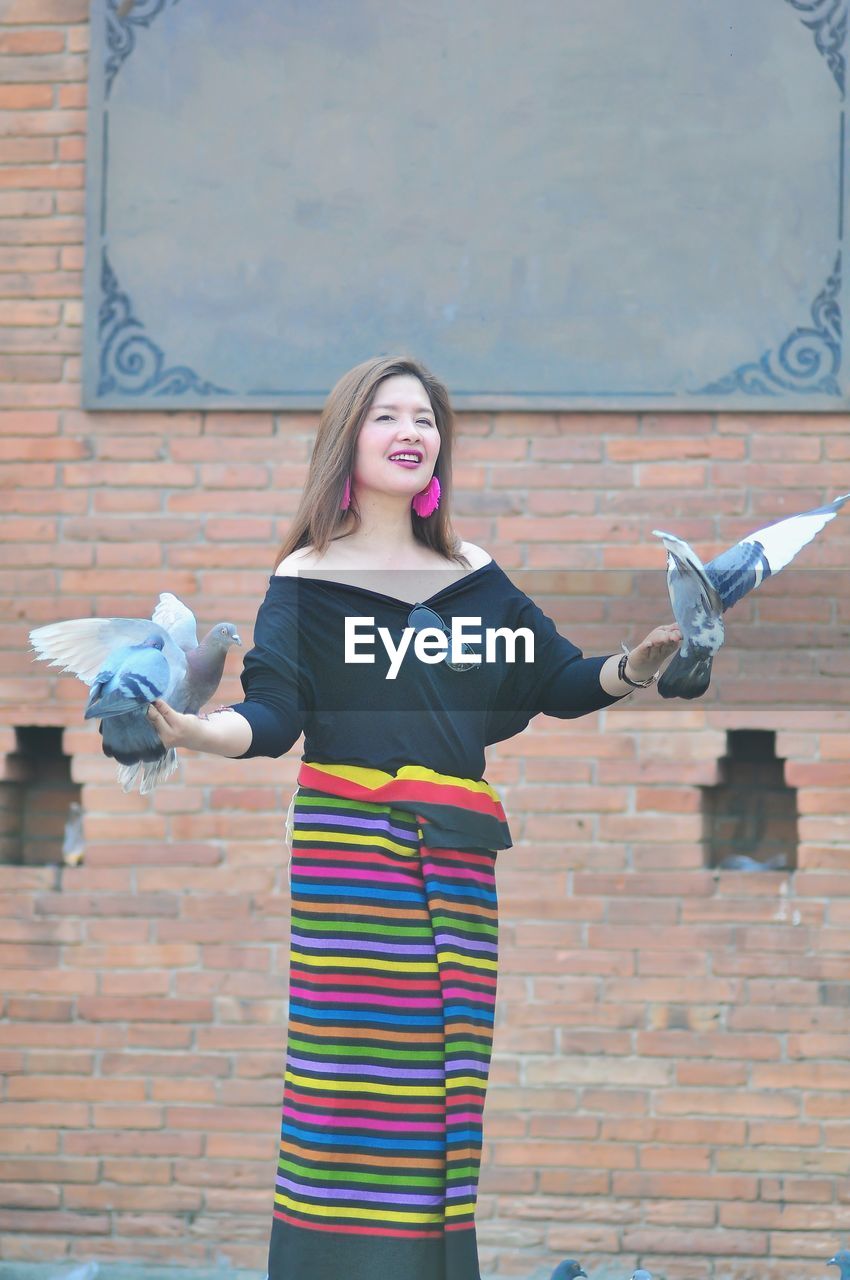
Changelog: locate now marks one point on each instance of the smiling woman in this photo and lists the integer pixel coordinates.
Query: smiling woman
(394, 831)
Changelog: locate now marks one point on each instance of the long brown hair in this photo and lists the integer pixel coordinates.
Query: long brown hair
(319, 517)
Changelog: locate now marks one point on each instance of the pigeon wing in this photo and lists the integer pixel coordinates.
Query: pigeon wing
(784, 538)
(736, 572)
(139, 674)
(178, 620)
(741, 568)
(84, 645)
(693, 597)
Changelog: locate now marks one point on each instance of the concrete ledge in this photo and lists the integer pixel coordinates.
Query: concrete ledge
(118, 1271)
(140, 1271)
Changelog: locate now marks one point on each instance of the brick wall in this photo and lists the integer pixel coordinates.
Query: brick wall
(670, 1079)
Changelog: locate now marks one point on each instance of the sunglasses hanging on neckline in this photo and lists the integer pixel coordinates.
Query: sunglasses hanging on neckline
(422, 617)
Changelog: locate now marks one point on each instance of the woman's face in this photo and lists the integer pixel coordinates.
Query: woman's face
(399, 441)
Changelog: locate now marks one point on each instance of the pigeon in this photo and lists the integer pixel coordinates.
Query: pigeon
(73, 845)
(700, 594)
(568, 1270)
(743, 862)
(128, 662)
(842, 1261)
(640, 1274)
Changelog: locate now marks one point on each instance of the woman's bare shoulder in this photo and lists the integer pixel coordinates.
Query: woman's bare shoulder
(303, 558)
(476, 555)
(308, 558)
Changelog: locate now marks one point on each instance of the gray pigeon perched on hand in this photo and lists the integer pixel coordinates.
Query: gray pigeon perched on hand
(568, 1270)
(700, 594)
(128, 662)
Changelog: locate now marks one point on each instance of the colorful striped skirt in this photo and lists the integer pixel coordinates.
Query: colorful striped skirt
(392, 991)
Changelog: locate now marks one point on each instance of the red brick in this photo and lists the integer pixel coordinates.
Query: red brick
(707, 1186)
(689, 1242)
(43, 1009)
(73, 1115)
(806, 1190)
(816, 424)
(49, 12)
(786, 448)
(804, 1075)
(673, 475)
(784, 1159)
(28, 151)
(74, 1089)
(667, 449)
(21, 97)
(28, 1142)
(722, 1102)
(767, 1132)
(540, 1154)
(109, 1009)
(30, 177)
(683, 1044)
(133, 1200)
(686, 1159)
(570, 1182)
(783, 1217)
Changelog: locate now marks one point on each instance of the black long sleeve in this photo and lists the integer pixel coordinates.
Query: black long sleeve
(275, 684)
(562, 682)
(296, 678)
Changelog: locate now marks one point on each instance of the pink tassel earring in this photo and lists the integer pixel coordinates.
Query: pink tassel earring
(346, 495)
(426, 502)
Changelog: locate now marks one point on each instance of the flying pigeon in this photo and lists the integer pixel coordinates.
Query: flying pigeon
(842, 1261)
(568, 1270)
(700, 594)
(128, 662)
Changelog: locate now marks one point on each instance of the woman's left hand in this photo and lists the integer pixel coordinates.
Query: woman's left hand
(646, 657)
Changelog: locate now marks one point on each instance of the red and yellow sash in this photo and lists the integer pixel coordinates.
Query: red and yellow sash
(456, 813)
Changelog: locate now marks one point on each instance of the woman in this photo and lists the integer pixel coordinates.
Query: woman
(395, 832)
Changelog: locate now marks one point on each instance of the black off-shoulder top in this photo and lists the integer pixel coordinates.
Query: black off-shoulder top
(295, 678)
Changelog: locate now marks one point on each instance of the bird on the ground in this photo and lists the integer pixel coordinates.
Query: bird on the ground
(129, 662)
(700, 594)
(568, 1270)
(842, 1261)
(743, 862)
(73, 845)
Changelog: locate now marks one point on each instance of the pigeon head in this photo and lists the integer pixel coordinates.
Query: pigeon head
(640, 1274)
(221, 637)
(842, 1261)
(568, 1270)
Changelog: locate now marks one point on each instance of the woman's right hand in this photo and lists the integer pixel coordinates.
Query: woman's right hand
(175, 728)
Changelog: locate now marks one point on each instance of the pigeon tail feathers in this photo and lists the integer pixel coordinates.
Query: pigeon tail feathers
(151, 773)
(686, 677)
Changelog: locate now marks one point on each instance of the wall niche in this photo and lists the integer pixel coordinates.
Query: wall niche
(750, 815)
